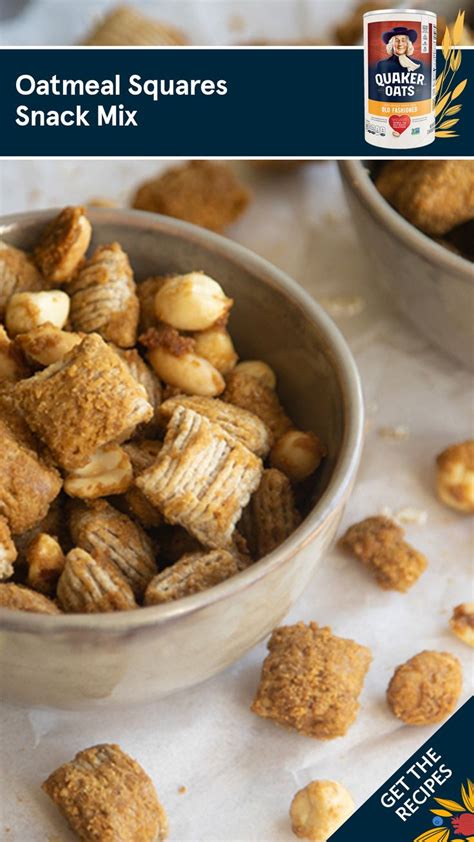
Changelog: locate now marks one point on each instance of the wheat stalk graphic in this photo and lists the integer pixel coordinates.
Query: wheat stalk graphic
(446, 90)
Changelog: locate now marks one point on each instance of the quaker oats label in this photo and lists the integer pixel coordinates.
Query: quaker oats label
(400, 77)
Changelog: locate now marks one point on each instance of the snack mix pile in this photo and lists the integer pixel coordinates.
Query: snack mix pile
(141, 462)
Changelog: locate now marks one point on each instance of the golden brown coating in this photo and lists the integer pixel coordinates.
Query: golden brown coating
(106, 796)
(349, 32)
(63, 245)
(436, 196)
(206, 193)
(319, 809)
(249, 393)
(88, 586)
(17, 598)
(455, 476)
(298, 454)
(103, 297)
(146, 292)
(8, 552)
(12, 362)
(27, 484)
(108, 471)
(46, 561)
(462, 622)
(311, 680)
(147, 378)
(124, 26)
(243, 425)
(18, 273)
(202, 478)
(47, 344)
(142, 454)
(426, 688)
(83, 402)
(193, 573)
(271, 516)
(378, 543)
(110, 536)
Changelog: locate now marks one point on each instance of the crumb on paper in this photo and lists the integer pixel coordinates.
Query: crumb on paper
(343, 305)
(408, 514)
(182, 790)
(236, 23)
(396, 433)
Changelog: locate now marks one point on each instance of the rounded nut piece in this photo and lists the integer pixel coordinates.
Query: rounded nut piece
(45, 563)
(426, 688)
(462, 622)
(260, 370)
(455, 479)
(215, 345)
(108, 471)
(319, 809)
(47, 344)
(190, 373)
(63, 245)
(297, 454)
(191, 302)
(27, 310)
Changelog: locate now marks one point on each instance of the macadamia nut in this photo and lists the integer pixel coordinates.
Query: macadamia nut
(27, 310)
(191, 302)
(47, 344)
(45, 563)
(216, 346)
(319, 809)
(260, 370)
(297, 454)
(192, 374)
(108, 471)
(455, 478)
(462, 622)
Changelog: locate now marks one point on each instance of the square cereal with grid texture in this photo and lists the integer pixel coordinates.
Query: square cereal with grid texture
(202, 478)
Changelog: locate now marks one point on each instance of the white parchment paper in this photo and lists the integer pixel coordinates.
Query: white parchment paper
(241, 772)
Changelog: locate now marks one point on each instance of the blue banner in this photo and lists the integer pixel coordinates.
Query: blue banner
(186, 102)
(428, 799)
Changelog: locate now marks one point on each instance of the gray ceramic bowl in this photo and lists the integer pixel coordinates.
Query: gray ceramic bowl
(431, 285)
(74, 661)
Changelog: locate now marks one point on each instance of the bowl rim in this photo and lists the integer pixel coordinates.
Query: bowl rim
(357, 177)
(340, 482)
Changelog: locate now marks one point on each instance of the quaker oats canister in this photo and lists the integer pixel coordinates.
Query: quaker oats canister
(400, 77)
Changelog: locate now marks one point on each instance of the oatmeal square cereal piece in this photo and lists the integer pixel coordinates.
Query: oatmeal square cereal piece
(193, 573)
(127, 27)
(27, 483)
(202, 478)
(271, 516)
(462, 622)
(378, 543)
(249, 393)
(8, 551)
(146, 292)
(12, 362)
(17, 598)
(206, 193)
(106, 796)
(63, 245)
(86, 400)
(436, 196)
(18, 273)
(113, 537)
(147, 378)
(88, 586)
(311, 680)
(103, 297)
(239, 423)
